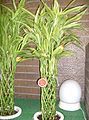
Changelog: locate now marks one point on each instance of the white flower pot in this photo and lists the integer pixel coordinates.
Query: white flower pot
(39, 113)
(69, 106)
(18, 113)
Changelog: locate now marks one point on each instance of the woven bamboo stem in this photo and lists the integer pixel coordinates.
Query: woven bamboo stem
(7, 91)
(48, 94)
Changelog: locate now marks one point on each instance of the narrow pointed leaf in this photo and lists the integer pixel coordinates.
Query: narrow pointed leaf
(66, 53)
(74, 9)
(21, 3)
(58, 50)
(37, 15)
(28, 12)
(47, 9)
(56, 6)
(76, 17)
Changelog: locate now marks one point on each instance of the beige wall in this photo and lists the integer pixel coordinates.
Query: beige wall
(74, 67)
(69, 68)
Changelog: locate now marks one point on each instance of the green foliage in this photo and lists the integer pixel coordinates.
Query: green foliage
(12, 44)
(53, 28)
(51, 32)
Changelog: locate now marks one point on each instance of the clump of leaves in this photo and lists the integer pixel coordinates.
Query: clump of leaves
(52, 31)
(12, 44)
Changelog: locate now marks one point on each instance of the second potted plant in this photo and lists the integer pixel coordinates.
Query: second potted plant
(51, 32)
(12, 43)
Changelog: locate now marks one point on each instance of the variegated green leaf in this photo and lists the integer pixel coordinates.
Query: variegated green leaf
(72, 25)
(76, 17)
(65, 53)
(56, 7)
(49, 11)
(21, 4)
(74, 9)
(58, 50)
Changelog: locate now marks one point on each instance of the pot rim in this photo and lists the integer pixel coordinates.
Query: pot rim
(8, 117)
(39, 113)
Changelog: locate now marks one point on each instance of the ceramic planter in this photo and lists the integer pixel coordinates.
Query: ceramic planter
(10, 117)
(39, 113)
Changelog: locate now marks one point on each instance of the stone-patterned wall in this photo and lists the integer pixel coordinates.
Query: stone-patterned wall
(69, 68)
(87, 80)
(74, 67)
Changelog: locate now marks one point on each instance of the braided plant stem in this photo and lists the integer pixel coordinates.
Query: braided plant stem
(48, 94)
(7, 91)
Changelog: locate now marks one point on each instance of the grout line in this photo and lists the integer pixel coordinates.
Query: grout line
(27, 87)
(27, 65)
(27, 73)
(31, 94)
(26, 94)
(23, 80)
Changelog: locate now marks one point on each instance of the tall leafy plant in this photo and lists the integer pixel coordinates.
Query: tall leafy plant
(12, 42)
(52, 31)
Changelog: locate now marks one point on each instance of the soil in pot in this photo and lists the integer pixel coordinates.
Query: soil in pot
(14, 112)
(56, 117)
(17, 111)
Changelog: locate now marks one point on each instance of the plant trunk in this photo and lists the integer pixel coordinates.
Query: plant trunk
(48, 94)
(7, 91)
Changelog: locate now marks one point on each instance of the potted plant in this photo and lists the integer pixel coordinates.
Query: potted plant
(12, 43)
(51, 32)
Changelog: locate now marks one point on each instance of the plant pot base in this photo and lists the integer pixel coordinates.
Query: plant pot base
(58, 116)
(9, 117)
(69, 106)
